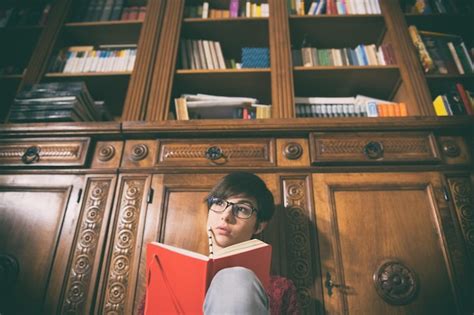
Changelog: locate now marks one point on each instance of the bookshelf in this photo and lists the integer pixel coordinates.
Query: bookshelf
(147, 92)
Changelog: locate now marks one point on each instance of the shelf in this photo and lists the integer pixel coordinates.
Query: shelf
(233, 33)
(108, 86)
(103, 33)
(337, 31)
(374, 81)
(229, 82)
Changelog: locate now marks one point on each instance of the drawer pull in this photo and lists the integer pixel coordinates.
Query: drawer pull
(214, 153)
(31, 155)
(451, 149)
(293, 151)
(373, 150)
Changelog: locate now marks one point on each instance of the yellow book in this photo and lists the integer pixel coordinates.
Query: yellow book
(439, 107)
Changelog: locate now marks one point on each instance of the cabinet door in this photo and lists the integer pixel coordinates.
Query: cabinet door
(384, 245)
(36, 229)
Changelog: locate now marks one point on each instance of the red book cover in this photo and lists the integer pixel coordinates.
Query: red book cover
(464, 98)
(178, 279)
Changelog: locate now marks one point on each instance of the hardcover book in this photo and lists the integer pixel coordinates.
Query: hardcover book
(177, 279)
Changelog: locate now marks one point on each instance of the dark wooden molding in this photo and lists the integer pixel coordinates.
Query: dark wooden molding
(164, 67)
(281, 63)
(140, 80)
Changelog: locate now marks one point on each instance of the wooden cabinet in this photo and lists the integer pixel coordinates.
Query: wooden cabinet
(354, 204)
(385, 244)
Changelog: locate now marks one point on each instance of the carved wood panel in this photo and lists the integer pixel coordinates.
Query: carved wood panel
(415, 147)
(119, 276)
(44, 152)
(302, 267)
(229, 152)
(82, 275)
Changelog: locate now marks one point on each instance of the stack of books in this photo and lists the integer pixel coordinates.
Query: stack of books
(86, 59)
(454, 100)
(56, 102)
(107, 10)
(205, 106)
(362, 55)
(442, 53)
(358, 106)
(333, 7)
(235, 8)
(201, 54)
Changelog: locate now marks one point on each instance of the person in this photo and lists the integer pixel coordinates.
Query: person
(240, 207)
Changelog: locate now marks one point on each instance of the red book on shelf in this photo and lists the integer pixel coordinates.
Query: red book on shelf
(465, 100)
(177, 279)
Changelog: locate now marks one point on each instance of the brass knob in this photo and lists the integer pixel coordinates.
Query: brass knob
(31, 155)
(373, 150)
(293, 151)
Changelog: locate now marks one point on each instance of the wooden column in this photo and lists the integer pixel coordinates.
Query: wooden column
(281, 63)
(164, 67)
(407, 59)
(134, 107)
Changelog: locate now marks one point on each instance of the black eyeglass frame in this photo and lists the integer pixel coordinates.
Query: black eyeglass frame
(211, 200)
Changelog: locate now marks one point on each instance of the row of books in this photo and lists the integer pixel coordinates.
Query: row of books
(107, 10)
(362, 55)
(57, 102)
(456, 100)
(334, 7)
(358, 106)
(442, 53)
(432, 6)
(30, 16)
(81, 59)
(236, 8)
(205, 106)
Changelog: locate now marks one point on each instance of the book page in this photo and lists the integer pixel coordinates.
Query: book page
(240, 247)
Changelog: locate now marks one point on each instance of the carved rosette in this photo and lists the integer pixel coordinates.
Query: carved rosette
(462, 195)
(451, 148)
(123, 246)
(106, 152)
(79, 276)
(296, 202)
(293, 151)
(396, 283)
(139, 152)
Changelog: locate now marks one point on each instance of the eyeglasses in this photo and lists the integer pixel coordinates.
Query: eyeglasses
(239, 210)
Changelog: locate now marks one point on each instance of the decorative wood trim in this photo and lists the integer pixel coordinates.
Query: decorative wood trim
(301, 271)
(419, 102)
(123, 257)
(164, 67)
(140, 80)
(44, 152)
(462, 194)
(81, 278)
(281, 63)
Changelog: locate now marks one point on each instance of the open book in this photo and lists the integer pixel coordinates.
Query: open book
(178, 279)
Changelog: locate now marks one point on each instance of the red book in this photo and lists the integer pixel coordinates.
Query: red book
(178, 279)
(465, 100)
(133, 15)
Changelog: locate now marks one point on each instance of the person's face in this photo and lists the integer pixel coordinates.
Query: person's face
(228, 229)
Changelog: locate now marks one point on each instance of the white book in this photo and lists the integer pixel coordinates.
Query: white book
(212, 49)
(248, 9)
(318, 110)
(371, 54)
(207, 55)
(202, 54)
(195, 53)
(376, 5)
(88, 61)
(312, 8)
(381, 57)
(220, 55)
(345, 110)
(212, 103)
(265, 9)
(366, 7)
(455, 57)
(205, 10)
(69, 62)
(131, 61)
(356, 111)
(95, 61)
(372, 109)
(339, 110)
(201, 97)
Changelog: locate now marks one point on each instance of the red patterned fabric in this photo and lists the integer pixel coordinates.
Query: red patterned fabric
(282, 296)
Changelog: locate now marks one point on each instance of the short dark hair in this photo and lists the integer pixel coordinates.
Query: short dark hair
(249, 185)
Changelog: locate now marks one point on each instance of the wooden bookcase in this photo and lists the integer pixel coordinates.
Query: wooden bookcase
(147, 93)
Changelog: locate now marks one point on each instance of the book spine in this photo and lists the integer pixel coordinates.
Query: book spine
(465, 100)
(455, 57)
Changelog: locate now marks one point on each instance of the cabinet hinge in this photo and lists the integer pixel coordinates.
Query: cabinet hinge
(446, 193)
(79, 195)
(149, 198)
